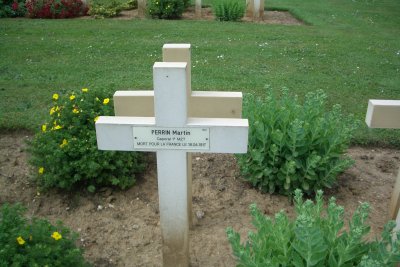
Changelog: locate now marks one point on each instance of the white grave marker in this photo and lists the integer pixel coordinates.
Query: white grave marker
(142, 7)
(386, 114)
(211, 135)
(202, 104)
(198, 8)
(255, 9)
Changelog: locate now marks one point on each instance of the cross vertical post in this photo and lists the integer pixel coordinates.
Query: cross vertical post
(181, 53)
(171, 111)
(198, 9)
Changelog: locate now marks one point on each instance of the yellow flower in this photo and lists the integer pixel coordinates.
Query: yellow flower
(56, 127)
(44, 127)
(95, 119)
(75, 111)
(56, 236)
(85, 90)
(105, 101)
(55, 96)
(64, 143)
(41, 170)
(20, 240)
(52, 110)
(71, 97)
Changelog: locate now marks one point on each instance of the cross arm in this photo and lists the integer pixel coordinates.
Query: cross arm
(202, 104)
(383, 114)
(225, 135)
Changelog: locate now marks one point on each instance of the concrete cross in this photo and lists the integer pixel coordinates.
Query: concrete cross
(201, 104)
(255, 9)
(386, 114)
(198, 8)
(171, 133)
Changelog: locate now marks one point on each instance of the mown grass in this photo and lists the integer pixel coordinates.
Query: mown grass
(350, 49)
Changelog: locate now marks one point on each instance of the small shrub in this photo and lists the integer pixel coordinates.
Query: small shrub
(64, 153)
(229, 10)
(108, 9)
(35, 243)
(314, 238)
(55, 9)
(12, 8)
(165, 9)
(293, 145)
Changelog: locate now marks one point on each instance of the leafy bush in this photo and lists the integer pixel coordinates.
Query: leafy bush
(293, 145)
(229, 10)
(12, 8)
(108, 9)
(55, 9)
(165, 9)
(35, 243)
(314, 239)
(64, 153)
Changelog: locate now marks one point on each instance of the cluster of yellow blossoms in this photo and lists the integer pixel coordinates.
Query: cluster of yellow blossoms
(55, 235)
(57, 110)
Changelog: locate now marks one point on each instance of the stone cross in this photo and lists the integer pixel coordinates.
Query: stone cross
(201, 104)
(171, 133)
(386, 114)
(255, 9)
(142, 8)
(198, 8)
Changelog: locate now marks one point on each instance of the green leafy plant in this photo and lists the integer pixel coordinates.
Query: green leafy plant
(165, 9)
(107, 9)
(12, 8)
(314, 238)
(294, 145)
(229, 10)
(35, 242)
(64, 152)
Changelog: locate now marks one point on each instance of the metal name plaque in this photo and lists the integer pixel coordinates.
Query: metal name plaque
(171, 138)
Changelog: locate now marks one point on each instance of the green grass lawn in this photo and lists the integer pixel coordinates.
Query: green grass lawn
(350, 49)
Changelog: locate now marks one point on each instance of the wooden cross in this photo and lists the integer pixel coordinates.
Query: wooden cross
(201, 104)
(171, 133)
(386, 114)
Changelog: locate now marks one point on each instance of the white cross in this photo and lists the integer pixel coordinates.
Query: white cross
(171, 133)
(201, 104)
(386, 114)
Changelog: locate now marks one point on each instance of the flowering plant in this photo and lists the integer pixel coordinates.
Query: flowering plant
(35, 243)
(64, 151)
(55, 9)
(165, 9)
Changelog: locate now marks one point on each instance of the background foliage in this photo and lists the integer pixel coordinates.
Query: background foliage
(55, 9)
(349, 49)
(12, 8)
(314, 238)
(64, 152)
(35, 242)
(293, 144)
(165, 9)
(107, 9)
(229, 10)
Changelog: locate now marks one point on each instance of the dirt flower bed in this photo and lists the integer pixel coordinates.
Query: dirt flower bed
(121, 228)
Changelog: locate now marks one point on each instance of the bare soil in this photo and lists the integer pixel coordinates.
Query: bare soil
(270, 17)
(121, 228)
